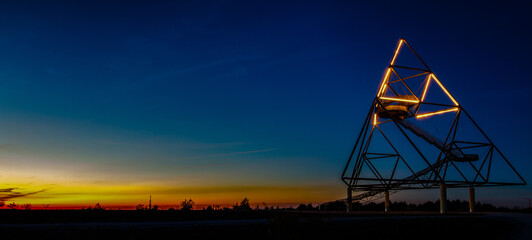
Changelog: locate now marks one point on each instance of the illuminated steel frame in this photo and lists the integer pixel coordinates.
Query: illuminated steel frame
(435, 172)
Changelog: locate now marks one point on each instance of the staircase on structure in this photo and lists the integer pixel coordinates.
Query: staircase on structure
(438, 143)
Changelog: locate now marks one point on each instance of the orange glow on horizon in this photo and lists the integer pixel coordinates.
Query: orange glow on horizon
(48, 186)
(437, 112)
(126, 196)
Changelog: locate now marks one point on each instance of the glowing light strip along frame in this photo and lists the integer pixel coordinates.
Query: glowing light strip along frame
(437, 112)
(399, 99)
(384, 81)
(444, 89)
(374, 119)
(426, 87)
(397, 51)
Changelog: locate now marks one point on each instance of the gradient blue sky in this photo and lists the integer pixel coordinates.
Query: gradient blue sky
(254, 98)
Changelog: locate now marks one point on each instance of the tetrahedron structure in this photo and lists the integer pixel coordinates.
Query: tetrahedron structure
(417, 136)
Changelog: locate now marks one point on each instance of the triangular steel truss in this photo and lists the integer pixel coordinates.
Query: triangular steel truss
(398, 105)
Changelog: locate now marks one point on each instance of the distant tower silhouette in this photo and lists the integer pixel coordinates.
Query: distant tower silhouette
(149, 207)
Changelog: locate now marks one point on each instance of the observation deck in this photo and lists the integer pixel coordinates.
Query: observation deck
(395, 107)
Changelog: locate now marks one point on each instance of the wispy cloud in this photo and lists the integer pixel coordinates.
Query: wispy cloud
(214, 161)
(11, 193)
(299, 56)
(201, 66)
(234, 153)
(110, 142)
(6, 146)
(54, 72)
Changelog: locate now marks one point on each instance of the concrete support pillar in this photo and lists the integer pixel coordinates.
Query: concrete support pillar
(443, 198)
(471, 199)
(349, 199)
(387, 201)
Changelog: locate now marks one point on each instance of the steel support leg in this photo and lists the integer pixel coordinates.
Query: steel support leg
(349, 199)
(443, 198)
(386, 201)
(471, 199)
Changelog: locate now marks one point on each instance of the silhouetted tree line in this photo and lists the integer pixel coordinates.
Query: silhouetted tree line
(305, 207)
(452, 205)
(145, 208)
(96, 207)
(244, 205)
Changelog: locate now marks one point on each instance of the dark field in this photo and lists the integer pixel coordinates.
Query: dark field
(74, 224)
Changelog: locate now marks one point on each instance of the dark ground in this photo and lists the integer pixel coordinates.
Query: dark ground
(75, 224)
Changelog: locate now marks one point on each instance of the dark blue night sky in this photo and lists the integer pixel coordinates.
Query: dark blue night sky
(238, 94)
